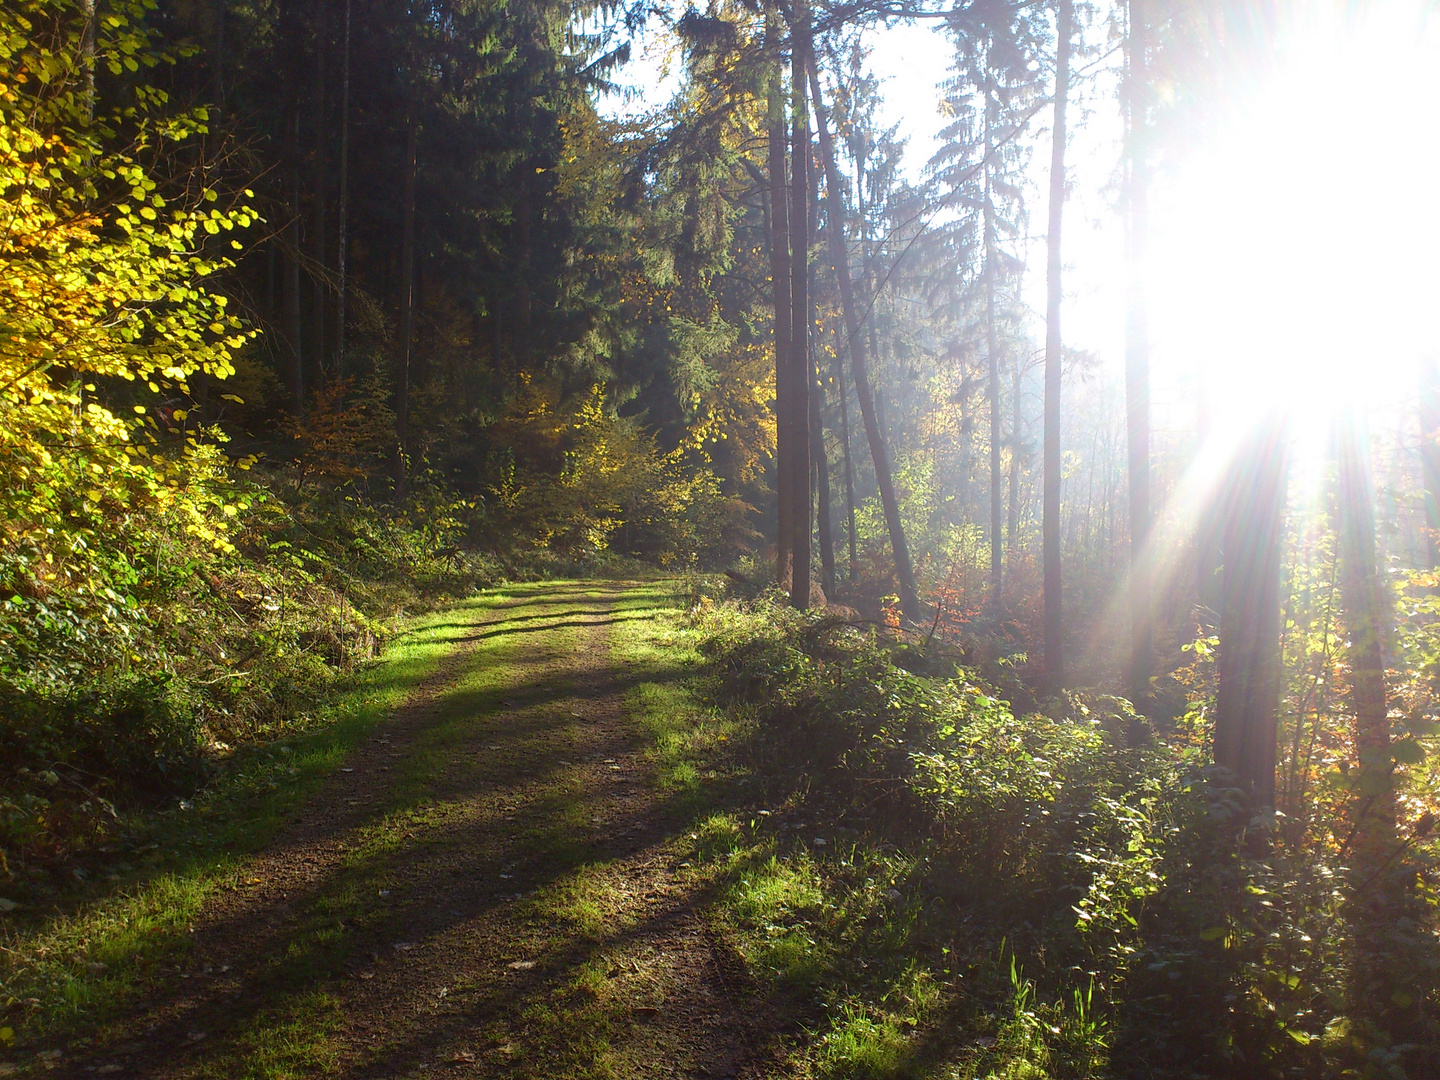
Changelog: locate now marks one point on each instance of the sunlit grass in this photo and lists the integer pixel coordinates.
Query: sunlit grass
(585, 903)
(287, 1043)
(688, 739)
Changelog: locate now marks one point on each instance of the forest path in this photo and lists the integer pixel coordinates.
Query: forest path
(490, 886)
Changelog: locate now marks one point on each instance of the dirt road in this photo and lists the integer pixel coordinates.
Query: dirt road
(492, 885)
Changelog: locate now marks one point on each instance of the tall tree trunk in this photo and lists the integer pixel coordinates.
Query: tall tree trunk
(992, 346)
(407, 291)
(1248, 665)
(293, 328)
(523, 337)
(87, 55)
(780, 286)
(856, 342)
(1054, 267)
(1363, 598)
(800, 309)
(219, 53)
(839, 371)
(872, 290)
(1207, 532)
(318, 282)
(1430, 454)
(1137, 354)
(1012, 512)
(819, 457)
(343, 210)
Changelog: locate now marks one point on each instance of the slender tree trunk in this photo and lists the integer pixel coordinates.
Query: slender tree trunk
(87, 55)
(219, 53)
(1207, 533)
(1012, 512)
(293, 327)
(1054, 267)
(780, 285)
(1430, 455)
(1137, 356)
(819, 458)
(992, 348)
(840, 256)
(318, 281)
(343, 210)
(523, 337)
(407, 290)
(839, 371)
(820, 466)
(800, 309)
(1248, 665)
(1363, 597)
(272, 315)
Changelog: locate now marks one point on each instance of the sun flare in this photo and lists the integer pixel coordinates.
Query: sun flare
(1295, 249)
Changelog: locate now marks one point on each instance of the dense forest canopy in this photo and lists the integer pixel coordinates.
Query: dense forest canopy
(1124, 383)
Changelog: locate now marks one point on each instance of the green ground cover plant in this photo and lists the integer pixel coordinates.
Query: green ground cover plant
(957, 890)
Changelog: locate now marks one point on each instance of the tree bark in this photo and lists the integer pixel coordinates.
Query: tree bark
(343, 210)
(318, 282)
(1012, 511)
(407, 291)
(87, 55)
(819, 458)
(1054, 267)
(780, 286)
(293, 328)
(839, 370)
(1137, 356)
(219, 53)
(1363, 598)
(992, 348)
(800, 311)
(904, 572)
(1248, 665)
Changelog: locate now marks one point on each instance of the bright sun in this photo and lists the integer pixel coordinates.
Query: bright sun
(1294, 255)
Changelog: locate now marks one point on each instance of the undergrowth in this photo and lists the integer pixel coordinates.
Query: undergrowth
(129, 676)
(945, 888)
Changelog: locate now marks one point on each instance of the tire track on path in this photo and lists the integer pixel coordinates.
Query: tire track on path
(488, 887)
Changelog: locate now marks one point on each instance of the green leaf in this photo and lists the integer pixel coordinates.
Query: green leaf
(1374, 782)
(1408, 752)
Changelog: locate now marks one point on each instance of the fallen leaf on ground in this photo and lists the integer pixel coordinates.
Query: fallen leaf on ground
(520, 965)
(462, 1057)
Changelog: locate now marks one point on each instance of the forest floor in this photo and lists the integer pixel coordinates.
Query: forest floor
(496, 880)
